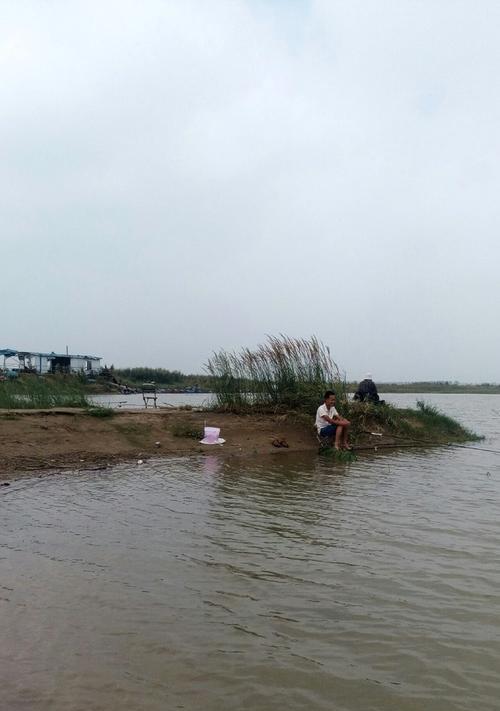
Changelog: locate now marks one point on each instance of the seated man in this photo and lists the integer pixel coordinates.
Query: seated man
(367, 390)
(330, 424)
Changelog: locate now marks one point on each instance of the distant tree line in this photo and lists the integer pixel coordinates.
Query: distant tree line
(222, 368)
(147, 375)
(160, 376)
(437, 386)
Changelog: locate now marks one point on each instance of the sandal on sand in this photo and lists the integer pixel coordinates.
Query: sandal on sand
(280, 443)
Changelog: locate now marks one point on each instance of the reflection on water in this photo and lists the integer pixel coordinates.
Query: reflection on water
(299, 583)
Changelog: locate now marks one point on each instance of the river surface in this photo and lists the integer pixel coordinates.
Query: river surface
(287, 582)
(135, 401)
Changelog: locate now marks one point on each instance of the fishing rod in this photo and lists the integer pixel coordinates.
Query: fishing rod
(428, 441)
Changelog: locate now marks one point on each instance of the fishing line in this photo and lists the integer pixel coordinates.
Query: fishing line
(428, 441)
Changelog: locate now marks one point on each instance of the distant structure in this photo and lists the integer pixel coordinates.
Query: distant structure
(42, 363)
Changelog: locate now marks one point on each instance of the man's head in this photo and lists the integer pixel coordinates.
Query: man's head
(330, 398)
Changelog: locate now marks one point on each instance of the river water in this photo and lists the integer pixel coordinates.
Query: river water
(290, 582)
(135, 401)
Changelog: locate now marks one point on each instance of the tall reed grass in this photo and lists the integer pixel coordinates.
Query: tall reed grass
(34, 392)
(281, 374)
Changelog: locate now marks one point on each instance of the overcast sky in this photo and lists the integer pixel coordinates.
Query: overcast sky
(181, 176)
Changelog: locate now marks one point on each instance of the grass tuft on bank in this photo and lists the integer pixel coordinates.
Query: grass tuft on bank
(431, 418)
(425, 424)
(282, 374)
(102, 412)
(186, 429)
(35, 392)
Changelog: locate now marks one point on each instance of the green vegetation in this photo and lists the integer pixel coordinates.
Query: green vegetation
(186, 429)
(135, 377)
(425, 424)
(340, 455)
(148, 375)
(288, 375)
(110, 377)
(431, 416)
(282, 374)
(102, 412)
(35, 392)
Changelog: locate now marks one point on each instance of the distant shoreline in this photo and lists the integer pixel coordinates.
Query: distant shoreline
(386, 388)
(438, 388)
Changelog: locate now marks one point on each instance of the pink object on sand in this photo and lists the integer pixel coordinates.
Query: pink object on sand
(212, 436)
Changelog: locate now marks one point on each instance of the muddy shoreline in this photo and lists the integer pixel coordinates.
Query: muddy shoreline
(34, 442)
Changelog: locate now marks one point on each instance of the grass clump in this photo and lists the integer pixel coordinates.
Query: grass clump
(282, 374)
(187, 429)
(367, 417)
(102, 412)
(340, 455)
(35, 392)
(431, 419)
(424, 424)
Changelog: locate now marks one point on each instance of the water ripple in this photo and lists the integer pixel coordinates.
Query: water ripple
(298, 583)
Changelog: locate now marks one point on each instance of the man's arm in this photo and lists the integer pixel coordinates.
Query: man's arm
(327, 419)
(335, 420)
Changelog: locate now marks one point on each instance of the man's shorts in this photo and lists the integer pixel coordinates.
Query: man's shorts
(327, 431)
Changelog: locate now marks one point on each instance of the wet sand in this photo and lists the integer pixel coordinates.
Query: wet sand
(43, 440)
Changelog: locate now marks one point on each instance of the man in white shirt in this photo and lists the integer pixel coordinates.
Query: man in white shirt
(329, 423)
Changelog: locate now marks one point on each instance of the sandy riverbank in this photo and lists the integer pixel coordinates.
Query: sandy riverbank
(37, 441)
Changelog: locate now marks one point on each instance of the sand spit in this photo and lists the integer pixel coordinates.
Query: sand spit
(37, 441)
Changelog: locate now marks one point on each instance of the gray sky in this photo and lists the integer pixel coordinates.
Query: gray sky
(180, 176)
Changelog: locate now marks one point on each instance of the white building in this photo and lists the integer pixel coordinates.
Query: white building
(28, 361)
